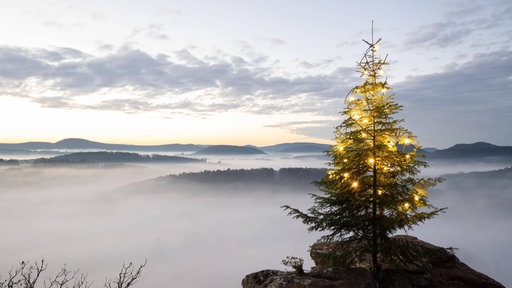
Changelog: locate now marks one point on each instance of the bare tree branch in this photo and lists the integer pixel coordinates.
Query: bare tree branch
(13, 280)
(27, 276)
(66, 277)
(31, 273)
(127, 277)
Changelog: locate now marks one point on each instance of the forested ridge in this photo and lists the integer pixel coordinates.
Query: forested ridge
(103, 157)
(288, 176)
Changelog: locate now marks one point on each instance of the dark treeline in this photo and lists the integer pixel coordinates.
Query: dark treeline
(264, 176)
(9, 162)
(111, 157)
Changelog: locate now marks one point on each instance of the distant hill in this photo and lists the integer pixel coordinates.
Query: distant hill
(229, 150)
(83, 144)
(429, 149)
(74, 143)
(111, 157)
(459, 151)
(474, 150)
(26, 146)
(297, 147)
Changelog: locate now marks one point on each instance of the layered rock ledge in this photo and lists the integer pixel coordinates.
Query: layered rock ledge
(444, 270)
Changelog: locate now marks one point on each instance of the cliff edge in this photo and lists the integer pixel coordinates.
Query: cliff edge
(443, 270)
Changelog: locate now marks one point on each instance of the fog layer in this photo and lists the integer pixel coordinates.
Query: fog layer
(93, 218)
(89, 217)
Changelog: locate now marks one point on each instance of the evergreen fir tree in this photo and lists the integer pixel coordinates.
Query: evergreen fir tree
(372, 189)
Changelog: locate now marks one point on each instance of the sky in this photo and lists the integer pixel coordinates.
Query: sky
(248, 72)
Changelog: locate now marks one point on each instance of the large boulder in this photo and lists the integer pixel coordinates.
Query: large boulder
(443, 269)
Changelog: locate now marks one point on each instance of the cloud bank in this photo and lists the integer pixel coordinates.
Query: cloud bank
(64, 77)
(472, 94)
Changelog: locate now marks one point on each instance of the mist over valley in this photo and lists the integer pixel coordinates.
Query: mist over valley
(208, 222)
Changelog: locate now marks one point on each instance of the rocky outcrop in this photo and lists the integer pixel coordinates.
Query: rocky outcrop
(444, 269)
(354, 277)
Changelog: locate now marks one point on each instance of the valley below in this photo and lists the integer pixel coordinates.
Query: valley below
(209, 223)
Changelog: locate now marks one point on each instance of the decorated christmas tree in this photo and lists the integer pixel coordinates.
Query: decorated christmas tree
(373, 188)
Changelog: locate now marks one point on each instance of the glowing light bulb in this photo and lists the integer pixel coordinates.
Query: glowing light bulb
(355, 184)
(416, 198)
(379, 192)
(371, 160)
(345, 160)
(406, 205)
(346, 174)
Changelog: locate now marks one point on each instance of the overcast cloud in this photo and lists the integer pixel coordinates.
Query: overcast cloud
(472, 96)
(235, 83)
